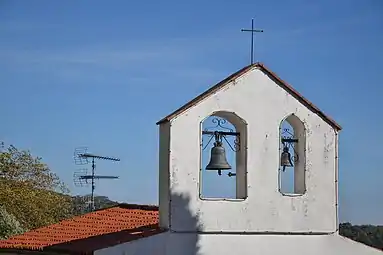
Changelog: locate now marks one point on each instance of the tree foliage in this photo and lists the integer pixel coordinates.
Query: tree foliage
(367, 234)
(30, 191)
(9, 225)
(20, 166)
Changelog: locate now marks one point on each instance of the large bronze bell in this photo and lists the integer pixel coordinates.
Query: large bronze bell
(218, 159)
(286, 158)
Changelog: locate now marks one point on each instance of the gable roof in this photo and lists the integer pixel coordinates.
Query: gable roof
(89, 232)
(239, 73)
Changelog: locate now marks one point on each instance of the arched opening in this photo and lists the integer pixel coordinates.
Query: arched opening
(223, 157)
(292, 179)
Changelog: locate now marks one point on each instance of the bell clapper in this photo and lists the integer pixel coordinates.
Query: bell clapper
(230, 174)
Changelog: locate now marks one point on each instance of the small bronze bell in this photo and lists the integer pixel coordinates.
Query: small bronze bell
(286, 158)
(218, 159)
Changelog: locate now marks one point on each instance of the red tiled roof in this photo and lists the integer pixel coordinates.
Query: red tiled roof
(239, 73)
(92, 231)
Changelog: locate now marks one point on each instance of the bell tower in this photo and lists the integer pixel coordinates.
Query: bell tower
(277, 147)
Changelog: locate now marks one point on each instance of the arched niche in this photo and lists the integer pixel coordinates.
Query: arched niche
(292, 178)
(232, 183)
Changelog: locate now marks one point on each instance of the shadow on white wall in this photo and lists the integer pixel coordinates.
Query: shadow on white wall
(186, 243)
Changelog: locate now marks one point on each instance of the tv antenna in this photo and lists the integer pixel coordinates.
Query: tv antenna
(82, 177)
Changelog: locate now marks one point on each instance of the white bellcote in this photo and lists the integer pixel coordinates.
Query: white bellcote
(254, 128)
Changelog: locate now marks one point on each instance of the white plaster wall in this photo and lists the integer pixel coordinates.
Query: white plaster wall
(225, 244)
(145, 246)
(263, 105)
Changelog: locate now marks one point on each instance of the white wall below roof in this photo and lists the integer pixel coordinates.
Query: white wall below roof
(263, 105)
(213, 244)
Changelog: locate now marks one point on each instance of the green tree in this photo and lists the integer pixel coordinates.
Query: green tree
(30, 190)
(9, 225)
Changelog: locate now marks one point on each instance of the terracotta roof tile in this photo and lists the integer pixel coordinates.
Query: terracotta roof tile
(91, 231)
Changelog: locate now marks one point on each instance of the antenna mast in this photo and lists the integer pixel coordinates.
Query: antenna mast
(81, 157)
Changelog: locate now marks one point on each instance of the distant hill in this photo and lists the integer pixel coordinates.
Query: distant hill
(368, 234)
(81, 203)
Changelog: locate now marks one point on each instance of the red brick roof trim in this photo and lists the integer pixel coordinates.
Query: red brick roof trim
(88, 245)
(239, 73)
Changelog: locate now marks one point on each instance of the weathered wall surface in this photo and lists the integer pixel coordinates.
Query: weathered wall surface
(263, 105)
(213, 244)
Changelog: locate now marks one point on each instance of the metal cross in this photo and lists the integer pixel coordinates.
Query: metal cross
(252, 30)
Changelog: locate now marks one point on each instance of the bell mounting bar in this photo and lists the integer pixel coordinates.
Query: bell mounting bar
(289, 140)
(219, 132)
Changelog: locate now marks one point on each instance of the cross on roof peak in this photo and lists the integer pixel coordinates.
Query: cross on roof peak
(252, 30)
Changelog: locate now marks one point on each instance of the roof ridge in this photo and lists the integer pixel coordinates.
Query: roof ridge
(205, 94)
(148, 207)
(239, 73)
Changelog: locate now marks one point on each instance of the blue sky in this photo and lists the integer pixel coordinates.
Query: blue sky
(101, 73)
